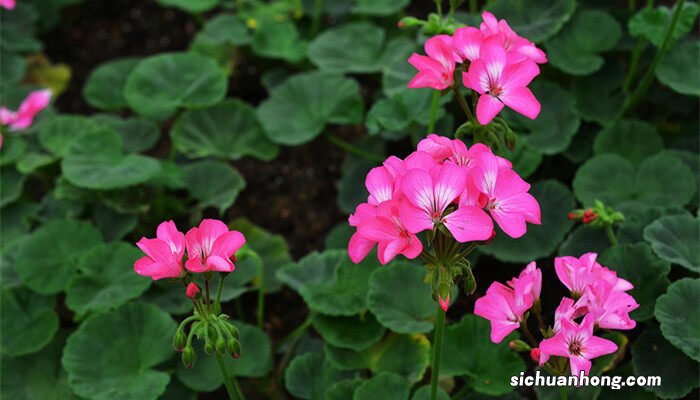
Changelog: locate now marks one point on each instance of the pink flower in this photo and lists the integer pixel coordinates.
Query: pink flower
(567, 311)
(504, 307)
(499, 82)
(578, 273)
(430, 193)
(211, 246)
(387, 229)
(30, 107)
(517, 48)
(380, 185)
(609, 307)
(163, 255)
(467, 42)
(192, 290)
(577, 343)
(508, 200)
(8, 4)
(443, 149)
(359, 246)
(529, 282)
(435, 70)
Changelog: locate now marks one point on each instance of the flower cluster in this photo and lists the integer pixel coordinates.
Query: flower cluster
(24, 116)
(8, 4)
(495, 62)
(210, 247)
(442, 184)
(598, 296)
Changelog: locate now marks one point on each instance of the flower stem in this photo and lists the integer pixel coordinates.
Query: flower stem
(219, 290)
(352, 149)
(529, 336)
(206, 287)
(463, 103)
(648, 77)
(316, 21)
(611, 234)
(433, 111)
(636, 55)
(563, 393)
(437, 351)
(261, 296)
(234, 392)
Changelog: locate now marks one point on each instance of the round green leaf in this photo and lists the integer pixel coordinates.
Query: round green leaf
(649, 274)
(356, 333)
(329, 282)
(105, 279)
(677, 240)
(229, 129)
(36, 376)
(525, 158)
(47, 260)
(160, 84)
(555, 202)
(673, 69)
(584, 239)
(633, 139)
(652, 355)
(631, 230)
(599, 96)
(661, 180)
(400, 299)
(355, 47)
(310, 375)
(191, 6)
(653, 23)
(255, 361)
(535, 20)
(168, 296)
(423, 393)
(314, 99)
(396, 75)
(679, 316)
(213, 183)
(351, 188)
(224, 29)
(576, 49)
(139, 338)
(278, 39)
(343, 390)
(138, 134)
(552, 131)
(489, 366)
(27, 320)
(112, 224)
(11, 186)
(383, 386)
(59, 134)
(104, 88)
(381, 8)
(12, 68)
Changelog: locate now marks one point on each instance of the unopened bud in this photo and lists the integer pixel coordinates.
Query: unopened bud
(193, 291)
(572, 216)
(188, 357)
(589, 216)
(220, 345)
(408, 22)
(535, 355)
(208, 348)
(469, 282)
(519, 346)
(234, 347)
(179, 340)
(444, 296)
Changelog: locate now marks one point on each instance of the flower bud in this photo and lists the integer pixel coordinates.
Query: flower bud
(193, 291)
(535, 355)
(179, 340)
(234, 347)
(408, 22)
(188, 357)
(469, 282)
(444, 296)
(220, 345)
(208, 348)
(519, 346)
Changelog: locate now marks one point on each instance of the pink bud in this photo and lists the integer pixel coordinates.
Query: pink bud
(535, 355)
(444, 303)
(192, 290)
(572, 216)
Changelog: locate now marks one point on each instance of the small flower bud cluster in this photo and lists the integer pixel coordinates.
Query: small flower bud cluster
(597, 216)
(217, 332)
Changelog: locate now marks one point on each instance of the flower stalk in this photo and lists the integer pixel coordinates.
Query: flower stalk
(437, 351)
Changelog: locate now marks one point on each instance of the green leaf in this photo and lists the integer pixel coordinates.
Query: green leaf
(28, 322)
(213, 183)
(113, 225)
(535, 20)
(489, 366)
(649, 274)
(633, 139)
(278, 39)
(224, 29)
(229, 129)
(355, 333)
(576, 49)
(160, 84)
(400, 299)
(168, 296)
(673, 69)
(584, 239)
(11, 186)
(314, 99)
(653, 23)
(138, 134)
(679, 316)
(104, 88)
(652, 355)
(96, 161)
(552, 131)
(255, 361)
(139, 338)
(343, 390)
(329, 282)
(105, 279)
(661, 180)
(191, 6)
(355, 47)
(395, 76)
(540, 241)
(525, 158)
(381, 8)
(625, 392)
(383, 386)
(351, 188)
(599, 96)
(12, 68)
(47, 260)
(310, 375)
(423, 393)
(676, 239)
(59, 134)
(36, 376)
(631, 230)
(33, 160)
(393, 118)
(18, 30)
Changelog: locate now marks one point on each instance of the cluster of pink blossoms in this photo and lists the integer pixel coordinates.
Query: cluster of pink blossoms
(599, 296)
(210, 247)
(442, 183)
(24, 116)
(501, 65)
(8, 4)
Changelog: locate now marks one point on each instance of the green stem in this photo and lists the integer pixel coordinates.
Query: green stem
(438, 4)
(648, 77)
(316, 22)
(261, 296)
(611, 234)
(206, 288)
(352, 149)
(298, 331)
(636, 55)
(463, 103)
(563, 393)
(437, 352)
(219, 290)
(234, 392)
(198, 306)
(529, 336)
(433, 111)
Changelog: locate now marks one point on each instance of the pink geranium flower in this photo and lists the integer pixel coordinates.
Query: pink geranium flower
(577, 343)
(508, 200)
(579, 273)
(566, 311)
(380, 185)
(163, 255)
(30, 107)
(211, 246)
(430, 193)
(467, 42)
(435, 70)
(529, 282)
(517, 48)
(359, 246)
(504, 307)
(499, 82)
(387, 229)
(8, 4)
(443, 149)
(609, 307)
